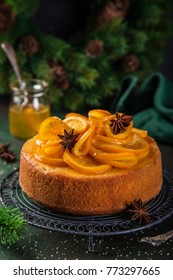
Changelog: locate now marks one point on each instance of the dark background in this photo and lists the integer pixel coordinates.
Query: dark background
(64, 17)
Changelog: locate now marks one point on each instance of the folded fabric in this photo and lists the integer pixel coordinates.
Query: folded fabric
(151, 104)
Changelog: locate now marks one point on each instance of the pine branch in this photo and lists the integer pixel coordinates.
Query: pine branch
(88, 78)
(26, 8)
(74, 100)
(41, 69)
(143, 32)
(4, 82)
(11, 225)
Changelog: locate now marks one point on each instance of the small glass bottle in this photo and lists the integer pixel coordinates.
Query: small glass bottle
(28, 108)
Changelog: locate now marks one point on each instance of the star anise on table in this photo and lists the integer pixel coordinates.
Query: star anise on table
(139, 212)
(120, 122)
(5, 154)
(68, 140)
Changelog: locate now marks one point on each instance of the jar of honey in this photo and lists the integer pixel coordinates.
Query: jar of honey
(28, 108)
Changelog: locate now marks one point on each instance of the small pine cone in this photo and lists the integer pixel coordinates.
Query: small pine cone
(94, 48)
(30, 45)
(61, 76)
(122, 6)
(113, 9)
(6, 17)
(130, 63)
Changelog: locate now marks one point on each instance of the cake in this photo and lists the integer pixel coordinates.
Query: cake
(93, 165)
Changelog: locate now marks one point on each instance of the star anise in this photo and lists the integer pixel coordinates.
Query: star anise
(139, 212)
(8, 157)
(5, 154)
(68, 140)
(120, 123)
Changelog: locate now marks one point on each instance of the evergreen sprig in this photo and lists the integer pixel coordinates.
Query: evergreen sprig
(27, 8)
(93, 79)
(11, 224)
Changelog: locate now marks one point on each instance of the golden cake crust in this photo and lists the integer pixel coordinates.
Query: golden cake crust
(66, 190)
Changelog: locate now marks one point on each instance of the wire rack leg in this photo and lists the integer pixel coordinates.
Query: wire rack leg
(91, 243)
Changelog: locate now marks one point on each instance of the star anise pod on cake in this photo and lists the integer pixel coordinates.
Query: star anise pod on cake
(68, 140)
(139, 212)
(120, 122)
(5, 154)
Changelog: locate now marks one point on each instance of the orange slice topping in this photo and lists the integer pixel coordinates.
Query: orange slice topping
(100, 142)
(121, 160)
(51, 127)
(119, 136)
(140, 132)
(52, 151)
(98, 114)
(86, 165)
(77, 122)
(83, 144)
(137, 145)
(48, 159)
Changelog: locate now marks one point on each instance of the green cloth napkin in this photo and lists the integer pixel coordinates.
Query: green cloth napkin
(151, 104)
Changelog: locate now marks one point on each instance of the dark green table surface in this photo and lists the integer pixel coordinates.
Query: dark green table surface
(36, 243)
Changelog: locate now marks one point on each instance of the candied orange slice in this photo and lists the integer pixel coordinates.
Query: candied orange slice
(119, 136)
(97, 116)
(99, 154)
(142, 155)
(51, 151)
(136, 146)
(77, 122)
(140, 132)
(98, 113)
(83, 144)
(48, 160)
(110, 147)
(126, 163)
(39, 142)
(100, 130)
(74, 115)
(51, 127)
(52, 148)
(114, 140)
(121, 160)
(53, 142)
(86, 164)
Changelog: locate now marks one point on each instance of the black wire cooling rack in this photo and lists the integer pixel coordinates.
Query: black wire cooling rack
(159, 208)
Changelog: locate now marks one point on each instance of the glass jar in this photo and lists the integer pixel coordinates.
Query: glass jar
(28, 108)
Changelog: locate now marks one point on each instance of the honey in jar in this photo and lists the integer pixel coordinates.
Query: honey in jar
(28, 108)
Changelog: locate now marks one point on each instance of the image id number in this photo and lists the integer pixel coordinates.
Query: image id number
(139, 270)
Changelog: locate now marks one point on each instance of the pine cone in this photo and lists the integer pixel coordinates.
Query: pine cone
(113, 9)
(30, 45)
(122, 6)
(131, 63)
(61, 76)
(6, 17)
(94, 48)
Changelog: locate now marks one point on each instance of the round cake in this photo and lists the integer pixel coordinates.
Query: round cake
(90, 166)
